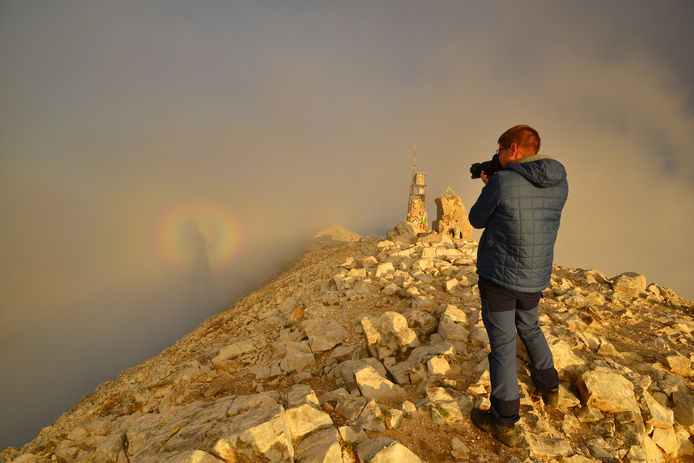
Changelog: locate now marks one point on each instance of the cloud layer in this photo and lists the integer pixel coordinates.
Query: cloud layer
(291, 118)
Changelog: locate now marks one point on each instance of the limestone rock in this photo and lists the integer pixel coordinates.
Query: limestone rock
(233, 350)
(305, 419)
(680, 365)
(422, 322)
(348, 368)
(301, 394)
(385, 450)
(444, 405)
(683, 407)
(384, 269)
(666, 439)
(244, 403)
(112, 450)
(547, 446)
(566, 361)
(371, 418)
(323, 334)
(257, 435)
(438, 366)
(320, 447)
(654, 413)
(193, 456)
(352, 434)
(608, 391)
(403, 233)
(452, 325)
(388, 334)
(374, 386)
(297, 358)
(629, 285)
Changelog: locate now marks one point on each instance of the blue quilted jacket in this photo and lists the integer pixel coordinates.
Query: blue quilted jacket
(520, 209)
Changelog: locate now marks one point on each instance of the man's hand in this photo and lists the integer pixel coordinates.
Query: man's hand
(484, 177)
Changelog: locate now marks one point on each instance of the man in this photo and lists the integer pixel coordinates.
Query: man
(520, 209)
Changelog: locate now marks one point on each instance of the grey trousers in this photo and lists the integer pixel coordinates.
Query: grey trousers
(501, 328)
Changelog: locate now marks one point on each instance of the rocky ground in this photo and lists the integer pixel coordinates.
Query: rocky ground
(371, 350)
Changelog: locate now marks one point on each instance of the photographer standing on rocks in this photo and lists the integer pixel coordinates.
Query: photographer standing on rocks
(520, 209)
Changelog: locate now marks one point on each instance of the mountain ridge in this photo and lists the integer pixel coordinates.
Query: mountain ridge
(381, 342)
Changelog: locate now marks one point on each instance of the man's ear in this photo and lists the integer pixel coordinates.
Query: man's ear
(515, 151)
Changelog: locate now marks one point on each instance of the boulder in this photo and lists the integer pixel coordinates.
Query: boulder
(548, 446)
(655, 414)
(257, 435)
(403, 233)
(444, 405)
(323, 335)
(320, 447)
(422, 322)
(193, 456)
(298, 357)
(305, 419)
(301, 394)
(388, 334)
(233, 350)
(349, 367)
(384, 269)
(679, 364)
(629, 285)
(683, 407)
(452, 325)
(385, 450)
(371, 418)
(374, 386)
(608, 391)
(666, 439)
(567, 363)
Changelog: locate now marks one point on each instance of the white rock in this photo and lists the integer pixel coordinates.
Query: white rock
(234, 350)
(384, 269)
(680, 365)
(654, 413)
(547, 446)
(257, 435)
(301, 394)
(320, 447)
(349, 367)
(608, 391)
(376, 387)
(666, 439)
(438, 366)
(297, 358)
(388, 334)
(385, 450)
(629, 284)
(305, 419)
(323, 335)
(193, 456)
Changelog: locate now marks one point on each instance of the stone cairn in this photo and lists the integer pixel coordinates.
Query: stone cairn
(374, 351)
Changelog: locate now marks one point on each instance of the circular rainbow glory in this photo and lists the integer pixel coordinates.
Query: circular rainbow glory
(194, 230)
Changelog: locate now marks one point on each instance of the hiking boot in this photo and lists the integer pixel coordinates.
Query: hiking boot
(550, 396)
(507, 435)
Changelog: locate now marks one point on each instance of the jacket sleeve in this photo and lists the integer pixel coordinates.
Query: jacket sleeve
(486, 204)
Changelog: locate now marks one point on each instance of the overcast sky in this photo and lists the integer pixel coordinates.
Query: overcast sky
(160, 158)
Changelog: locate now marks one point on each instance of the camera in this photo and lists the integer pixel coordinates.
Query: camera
(489, 167)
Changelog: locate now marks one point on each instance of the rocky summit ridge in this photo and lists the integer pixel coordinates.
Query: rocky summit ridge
(372, 350)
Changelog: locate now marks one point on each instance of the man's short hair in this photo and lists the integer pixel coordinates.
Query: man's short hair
(524, 136)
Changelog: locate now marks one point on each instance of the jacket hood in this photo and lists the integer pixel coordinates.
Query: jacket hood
(540, 170)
